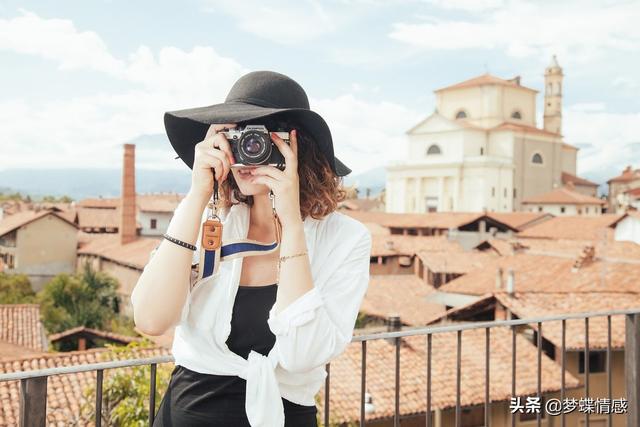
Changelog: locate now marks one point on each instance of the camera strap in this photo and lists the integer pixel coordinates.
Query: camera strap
(213, 251)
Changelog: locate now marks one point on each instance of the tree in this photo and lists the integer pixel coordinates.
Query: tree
(88, 299)
(125, 391)
(16, 289)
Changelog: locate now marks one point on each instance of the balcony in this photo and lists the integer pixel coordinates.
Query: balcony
(491, 365)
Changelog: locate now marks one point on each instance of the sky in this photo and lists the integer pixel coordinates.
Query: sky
(80, 78)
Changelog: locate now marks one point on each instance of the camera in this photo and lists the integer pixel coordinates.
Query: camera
(251, 145)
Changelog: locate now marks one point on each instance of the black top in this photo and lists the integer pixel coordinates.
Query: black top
(200, 393)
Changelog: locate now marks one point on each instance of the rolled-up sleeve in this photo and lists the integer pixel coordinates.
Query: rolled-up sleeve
(319, 325)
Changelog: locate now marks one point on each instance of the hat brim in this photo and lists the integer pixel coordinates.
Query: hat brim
(185, 128)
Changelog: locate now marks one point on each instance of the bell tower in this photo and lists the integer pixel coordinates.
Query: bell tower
(553, 97)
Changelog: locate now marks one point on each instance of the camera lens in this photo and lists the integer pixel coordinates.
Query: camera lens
(252, 145)
(254, 148)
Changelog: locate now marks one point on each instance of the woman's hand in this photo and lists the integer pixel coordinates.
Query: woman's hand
(214, 152)
(285, 184)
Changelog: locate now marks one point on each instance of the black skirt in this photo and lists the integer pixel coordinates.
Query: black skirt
(195, 399)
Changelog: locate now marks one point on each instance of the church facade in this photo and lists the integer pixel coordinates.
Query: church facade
(482, 150)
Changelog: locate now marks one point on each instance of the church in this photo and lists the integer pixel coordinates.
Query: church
(482, 150)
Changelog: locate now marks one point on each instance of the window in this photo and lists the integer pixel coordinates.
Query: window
(516, 115)
(493, 191)
(505, 191)
(482, 151)
(562, 209)
(154, 223)
(537, 159)
(597, 361)
(539, 208)
(514, 193)
(461, 114)
(433, 149)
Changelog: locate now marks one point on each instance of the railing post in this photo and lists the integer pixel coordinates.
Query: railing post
(632, 367)
(33, 402)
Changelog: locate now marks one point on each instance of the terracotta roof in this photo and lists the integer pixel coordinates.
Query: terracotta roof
(575, 227)
(563, 196)
(519, 220)
(485, 79)
(544, 273)
(398, 244)
(400, 294)
(517, 127)
(361, 204)
(20, 219)
(632, 192)
(21, 324)
(627, 175)
(134, 254)
(548, 304)
(567, 177)
(145, 202)
(100, 218)
(377, 229)
(346, 370)
(64, 392)
(438, 220)
(462, 262)
(83, 330)
(612, 250)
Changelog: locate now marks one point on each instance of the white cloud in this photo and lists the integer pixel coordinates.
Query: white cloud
(580, 31)
(280, 21)
(367, 134)
(83, 131)
(609, 138)
(59, 40)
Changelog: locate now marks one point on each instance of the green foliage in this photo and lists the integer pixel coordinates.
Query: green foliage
(16, 289)
(88, 299)
(54, 199)
(125, 398)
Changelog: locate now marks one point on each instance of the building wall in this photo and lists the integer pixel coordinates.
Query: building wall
(628, 229)
(586, 210)
(489, 105)
(162, 222)
(44, 248)
(127, 278)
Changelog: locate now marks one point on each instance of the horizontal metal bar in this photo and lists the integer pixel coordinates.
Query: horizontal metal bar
(488, 324)
(358, 338)
(84, 368)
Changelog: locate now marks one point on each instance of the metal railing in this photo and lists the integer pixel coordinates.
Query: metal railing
(33, 387)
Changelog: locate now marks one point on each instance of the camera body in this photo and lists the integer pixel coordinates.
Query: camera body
(251, 145)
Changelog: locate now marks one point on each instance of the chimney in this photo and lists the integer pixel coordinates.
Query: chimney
(585, 258)
(499, 279)
(127, 228)
(393, 324)
(511, 281)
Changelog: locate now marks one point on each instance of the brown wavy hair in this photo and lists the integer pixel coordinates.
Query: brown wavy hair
(320, 188)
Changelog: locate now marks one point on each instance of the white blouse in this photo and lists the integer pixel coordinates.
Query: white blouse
(311, 331)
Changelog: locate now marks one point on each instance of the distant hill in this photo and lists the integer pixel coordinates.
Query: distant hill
(82, 183)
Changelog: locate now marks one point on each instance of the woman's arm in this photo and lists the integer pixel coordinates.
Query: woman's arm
(161, 292)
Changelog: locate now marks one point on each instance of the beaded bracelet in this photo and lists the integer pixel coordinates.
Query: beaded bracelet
(179, 242)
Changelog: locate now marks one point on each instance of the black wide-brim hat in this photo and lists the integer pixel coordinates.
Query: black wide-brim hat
(255, 95)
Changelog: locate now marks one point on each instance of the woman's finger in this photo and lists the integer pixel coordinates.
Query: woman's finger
(291, 160)
(271, 171)
(219, 162)
(267, 180)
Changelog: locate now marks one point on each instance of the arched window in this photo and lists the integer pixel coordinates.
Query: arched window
(461, 114)
(516, 115)
(537, 159)
(433, 149)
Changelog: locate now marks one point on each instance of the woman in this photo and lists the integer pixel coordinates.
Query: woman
(253, 334)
